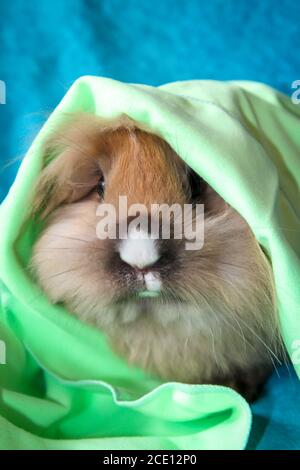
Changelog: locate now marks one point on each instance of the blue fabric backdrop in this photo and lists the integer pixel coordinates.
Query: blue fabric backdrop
(46, 45)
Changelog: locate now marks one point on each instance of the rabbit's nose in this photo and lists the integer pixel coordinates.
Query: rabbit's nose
(139, 250)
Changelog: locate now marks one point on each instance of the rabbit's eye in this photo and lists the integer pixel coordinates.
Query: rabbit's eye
(196, 185)
(101, 186)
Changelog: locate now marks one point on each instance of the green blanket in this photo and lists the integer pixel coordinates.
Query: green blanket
(61, 385)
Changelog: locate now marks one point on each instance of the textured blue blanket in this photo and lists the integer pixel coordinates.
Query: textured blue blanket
(45, 45)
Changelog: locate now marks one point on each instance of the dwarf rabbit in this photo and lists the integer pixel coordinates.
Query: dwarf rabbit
(194, 316)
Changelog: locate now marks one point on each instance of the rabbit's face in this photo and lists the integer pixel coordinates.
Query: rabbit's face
(122, 283)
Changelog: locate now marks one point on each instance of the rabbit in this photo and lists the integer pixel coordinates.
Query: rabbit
(205, 316)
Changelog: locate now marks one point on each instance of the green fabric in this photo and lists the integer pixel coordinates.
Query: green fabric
(62, 387)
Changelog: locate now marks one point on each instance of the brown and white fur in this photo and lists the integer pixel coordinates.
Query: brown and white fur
(214, 320)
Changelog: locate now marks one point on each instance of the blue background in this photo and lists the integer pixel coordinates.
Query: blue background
(46, 45)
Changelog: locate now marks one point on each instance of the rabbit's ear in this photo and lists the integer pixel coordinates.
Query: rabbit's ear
(71, 164)
(78, 155)
(67, 178)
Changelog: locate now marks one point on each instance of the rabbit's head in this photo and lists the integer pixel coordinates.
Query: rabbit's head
(139, 283)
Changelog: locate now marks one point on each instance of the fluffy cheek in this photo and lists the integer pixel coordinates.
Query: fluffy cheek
(68, 261)
(230, 277)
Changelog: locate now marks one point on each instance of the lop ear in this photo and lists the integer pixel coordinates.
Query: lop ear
(71, 164)
(67, 178)
(74, 159)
